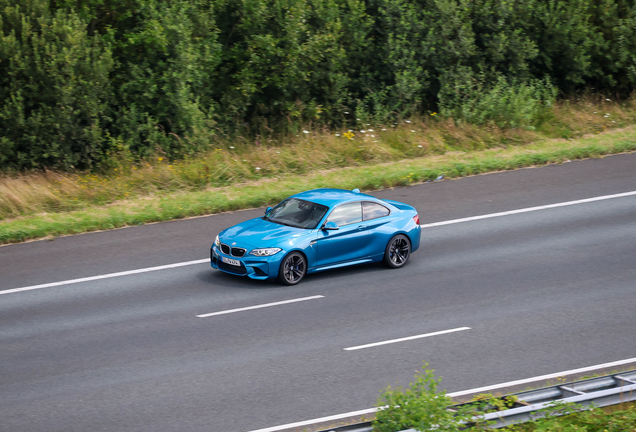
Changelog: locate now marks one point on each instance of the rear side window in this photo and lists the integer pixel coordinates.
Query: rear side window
(372, 210)
(346, 214)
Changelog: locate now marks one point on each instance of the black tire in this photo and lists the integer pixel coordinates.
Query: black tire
(398, 251)
(293, 269)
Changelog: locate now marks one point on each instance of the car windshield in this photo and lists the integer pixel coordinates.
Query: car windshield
(297, 213)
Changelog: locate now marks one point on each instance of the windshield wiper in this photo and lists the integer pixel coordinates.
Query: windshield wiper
(272, 220)
(282, 223)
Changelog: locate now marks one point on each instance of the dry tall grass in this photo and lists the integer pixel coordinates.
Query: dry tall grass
(242, 160)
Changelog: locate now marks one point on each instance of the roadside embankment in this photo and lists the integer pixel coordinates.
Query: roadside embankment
(169, 205)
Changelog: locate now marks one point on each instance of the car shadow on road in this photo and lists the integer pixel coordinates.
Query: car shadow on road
(225, 280)
(341, 275)
(345, 273)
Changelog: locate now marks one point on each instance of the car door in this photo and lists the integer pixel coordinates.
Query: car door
(349, 242)
(376, 217)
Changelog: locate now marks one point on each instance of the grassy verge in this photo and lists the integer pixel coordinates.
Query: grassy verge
(253, 193)
(618, 418)
(241, 160)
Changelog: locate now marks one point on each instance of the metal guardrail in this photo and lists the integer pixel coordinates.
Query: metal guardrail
(602, 391)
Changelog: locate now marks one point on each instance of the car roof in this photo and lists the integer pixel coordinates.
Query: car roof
(332, 197)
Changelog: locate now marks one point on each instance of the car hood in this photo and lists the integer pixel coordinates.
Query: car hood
(261, 233)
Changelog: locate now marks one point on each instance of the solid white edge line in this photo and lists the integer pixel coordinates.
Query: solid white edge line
(406, 338)
(542, 377)
(259, 306)
(106, 276)
(529, 209)
(455, 394)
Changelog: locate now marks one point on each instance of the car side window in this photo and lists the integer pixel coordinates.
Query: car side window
(371, 210)
(346, 214)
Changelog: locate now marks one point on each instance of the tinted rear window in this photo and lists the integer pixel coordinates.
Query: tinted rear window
(373, 210)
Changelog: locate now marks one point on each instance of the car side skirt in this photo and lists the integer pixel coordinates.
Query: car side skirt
(343, 264)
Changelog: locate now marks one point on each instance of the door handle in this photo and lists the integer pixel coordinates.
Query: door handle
(361, 227)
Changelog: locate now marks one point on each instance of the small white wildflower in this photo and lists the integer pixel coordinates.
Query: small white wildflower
(358, 119)
(613, 121)
(337, 134)
(608, 100)
(244, 160)
(412, 130)
(231, 146)
(362, 131)
(346, 112)
(257, 168)
(278, 152)
(305, 131)
(420, 146)
(408, 121)
(349, 130)
(372, 136)
(368, 124)
(370, 130)
(594, 112)
(383, 129)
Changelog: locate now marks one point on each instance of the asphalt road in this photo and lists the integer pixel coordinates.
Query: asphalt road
(541, 292)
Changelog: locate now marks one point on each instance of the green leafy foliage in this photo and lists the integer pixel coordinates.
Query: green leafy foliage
(168, 57)
(83, 82)
(562, 417)
(422, 407)
(419, 407)
(507, 105)
(54, 88)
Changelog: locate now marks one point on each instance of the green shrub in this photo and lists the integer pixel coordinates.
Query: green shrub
(168, 56)
(86, 81)
(54, 88)
(504, 104)
(420, 407)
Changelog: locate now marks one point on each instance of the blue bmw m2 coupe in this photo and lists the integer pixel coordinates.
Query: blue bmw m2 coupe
(318, 230)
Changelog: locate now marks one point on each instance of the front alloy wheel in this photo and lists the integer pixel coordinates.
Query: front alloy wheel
(292, 269)
(397, 252)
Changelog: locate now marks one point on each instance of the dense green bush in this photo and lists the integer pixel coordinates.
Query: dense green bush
(54, 88)
(168, 55)
(82, 81)
(420, 407)
(508, 105)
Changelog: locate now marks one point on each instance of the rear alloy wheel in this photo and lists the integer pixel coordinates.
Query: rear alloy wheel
(397, 252)
(292, 269)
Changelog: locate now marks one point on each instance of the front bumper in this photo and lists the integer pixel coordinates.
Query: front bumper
(253, 267)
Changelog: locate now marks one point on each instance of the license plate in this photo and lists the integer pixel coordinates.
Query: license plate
(231, 261)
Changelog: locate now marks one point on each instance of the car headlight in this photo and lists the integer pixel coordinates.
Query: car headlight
(265, 251)
(217, 242)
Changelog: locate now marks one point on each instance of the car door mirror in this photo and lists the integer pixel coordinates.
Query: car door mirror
(330, 226)
(267, 210)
